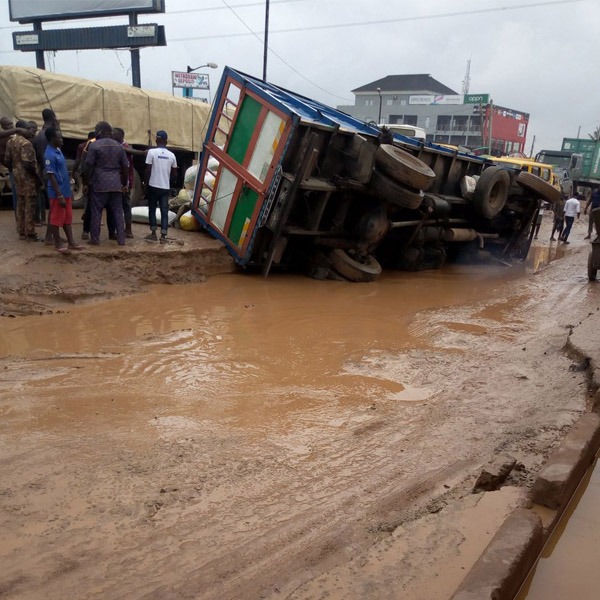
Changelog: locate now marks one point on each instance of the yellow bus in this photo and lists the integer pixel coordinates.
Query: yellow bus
(542, 170)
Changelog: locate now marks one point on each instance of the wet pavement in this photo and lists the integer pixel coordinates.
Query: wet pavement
(568, 567)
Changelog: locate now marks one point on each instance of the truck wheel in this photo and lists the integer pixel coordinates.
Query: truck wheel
(76, 184)
(592, 270)
(394, 193)
(137, 191)
(355, 268)
(536, 184)
(404, 167)
(491, 192)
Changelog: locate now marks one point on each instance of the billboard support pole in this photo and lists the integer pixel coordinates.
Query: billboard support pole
(40, 62)
(136, 77)
(266, 42)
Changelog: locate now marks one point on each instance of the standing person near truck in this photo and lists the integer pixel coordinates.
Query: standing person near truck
(161, 166)
(59, 191)
(6, 130)
(20, 159)
(593, 204)
(572, 210)
(39, 143)
(119, 136)
(108, 171)
(559, 218)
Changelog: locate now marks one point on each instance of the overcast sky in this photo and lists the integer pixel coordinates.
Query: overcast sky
(533, 56)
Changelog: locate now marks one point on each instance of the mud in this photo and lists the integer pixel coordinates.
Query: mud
(286, 438)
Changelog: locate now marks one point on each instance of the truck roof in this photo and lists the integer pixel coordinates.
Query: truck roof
(80, 103)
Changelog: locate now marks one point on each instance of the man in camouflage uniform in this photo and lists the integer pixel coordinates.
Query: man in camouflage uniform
(20, 159)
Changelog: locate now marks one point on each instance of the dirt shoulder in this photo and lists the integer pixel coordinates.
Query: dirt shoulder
(35, 279)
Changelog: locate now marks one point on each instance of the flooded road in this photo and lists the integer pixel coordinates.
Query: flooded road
(246, 437)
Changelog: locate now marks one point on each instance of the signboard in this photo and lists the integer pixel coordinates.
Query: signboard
(435, 99)
(193, 81)
(477, 99)
(116, 36)
(27, 11)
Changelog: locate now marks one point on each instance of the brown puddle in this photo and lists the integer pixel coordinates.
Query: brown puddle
(257, 350)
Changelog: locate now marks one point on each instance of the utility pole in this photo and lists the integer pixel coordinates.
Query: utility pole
(532, 145)
(379, 114)
(266, 50)
(40, 62)
(136, 77)
(490, 120)
(578, 131)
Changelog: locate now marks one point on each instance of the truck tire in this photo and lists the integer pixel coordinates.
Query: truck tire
(403, 167)
(76, 184)
(355, 268)
(394, 193)
(137, 191)
(491, 192)
(536, 184)
(592, 270)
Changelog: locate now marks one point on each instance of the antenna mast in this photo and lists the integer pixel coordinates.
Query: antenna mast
(466, 84)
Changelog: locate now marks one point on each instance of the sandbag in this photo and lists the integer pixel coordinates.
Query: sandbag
(139, 214)
(188, 222)
(189, 179)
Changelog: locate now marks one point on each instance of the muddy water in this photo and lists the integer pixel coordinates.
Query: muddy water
(568, 567)
(258, 351)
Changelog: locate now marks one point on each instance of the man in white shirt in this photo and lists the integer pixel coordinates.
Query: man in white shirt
(161, 167)
(572, 210)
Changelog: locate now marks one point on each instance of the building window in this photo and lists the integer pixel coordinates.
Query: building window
(410, 119)
(389, 102)
(402, 102)
(368, 102)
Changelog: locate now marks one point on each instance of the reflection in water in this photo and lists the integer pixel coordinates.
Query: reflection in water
(245, 349)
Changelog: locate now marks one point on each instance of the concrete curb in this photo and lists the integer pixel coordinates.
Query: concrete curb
(503, 566)
(560, 476)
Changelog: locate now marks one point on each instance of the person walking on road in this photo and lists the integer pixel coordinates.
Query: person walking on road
(593, 204)
(161, 166)
(59, 191)
(572, 210)
(108, 172)
(20, 160)
(559, 219)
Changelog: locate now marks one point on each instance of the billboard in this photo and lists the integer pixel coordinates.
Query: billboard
(193, 81)
(27, 11)
(477, 98)
(435, 99)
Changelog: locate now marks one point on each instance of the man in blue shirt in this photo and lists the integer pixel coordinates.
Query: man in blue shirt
(59, 191)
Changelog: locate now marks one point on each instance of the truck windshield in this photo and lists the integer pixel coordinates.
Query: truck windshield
(558, 161)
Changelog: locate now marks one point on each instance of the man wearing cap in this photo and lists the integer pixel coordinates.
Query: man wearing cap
(161, 167)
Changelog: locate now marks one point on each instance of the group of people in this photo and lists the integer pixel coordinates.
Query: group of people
(39, 176)
(565, 215)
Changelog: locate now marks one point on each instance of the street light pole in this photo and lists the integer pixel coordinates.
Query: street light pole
(188, 92)
(266, 49)
(379, 115)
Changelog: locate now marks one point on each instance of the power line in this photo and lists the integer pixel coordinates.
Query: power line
(383, 21)
(279, 57)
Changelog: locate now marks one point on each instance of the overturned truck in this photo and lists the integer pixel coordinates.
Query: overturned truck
(286, 182)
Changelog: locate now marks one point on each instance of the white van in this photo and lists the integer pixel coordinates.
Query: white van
(407, 130)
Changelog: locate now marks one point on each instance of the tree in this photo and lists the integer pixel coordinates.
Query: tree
(596, 135)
